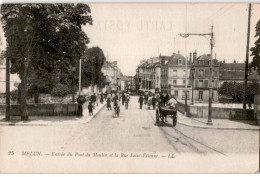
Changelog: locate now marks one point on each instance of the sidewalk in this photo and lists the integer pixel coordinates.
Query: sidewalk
(217, 123)
(51, 120)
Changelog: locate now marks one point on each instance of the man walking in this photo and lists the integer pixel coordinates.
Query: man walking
(141, 100)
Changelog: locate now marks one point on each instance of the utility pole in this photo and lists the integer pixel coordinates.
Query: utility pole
(186, 58)
(211, 34)
(7, 90)
(247, 55)
(210, 77)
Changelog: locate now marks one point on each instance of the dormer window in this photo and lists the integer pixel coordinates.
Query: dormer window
(201, 62)
(179, 62)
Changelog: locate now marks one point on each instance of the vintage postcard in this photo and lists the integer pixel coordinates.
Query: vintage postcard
(129, 88)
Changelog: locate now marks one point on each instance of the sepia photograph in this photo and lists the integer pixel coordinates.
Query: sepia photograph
(155, 88)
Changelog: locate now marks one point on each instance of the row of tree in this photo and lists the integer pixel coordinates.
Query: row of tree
(45, 43)
(235, 90)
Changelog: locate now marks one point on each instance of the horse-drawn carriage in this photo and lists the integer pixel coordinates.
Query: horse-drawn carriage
(163, 112)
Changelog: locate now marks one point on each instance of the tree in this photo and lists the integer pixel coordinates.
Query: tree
(91, 71)
(38, 35)
(256, 50)
(236, 91)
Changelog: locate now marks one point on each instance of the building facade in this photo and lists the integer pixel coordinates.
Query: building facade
(235, 72)
(173, 76)
(201, 79)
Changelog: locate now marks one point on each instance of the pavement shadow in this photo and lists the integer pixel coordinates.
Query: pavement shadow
(163, 124)
(17, 119)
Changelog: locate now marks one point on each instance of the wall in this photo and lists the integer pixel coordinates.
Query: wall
(44, 109)
(194, 111)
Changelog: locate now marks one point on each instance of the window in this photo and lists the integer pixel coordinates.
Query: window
(179, 62)
(200, 95)
(200, 83)
(212, 95)
(176, 93)
(174, 82)
(213, 84)
(201, 62)
(201, 73)
(183, 94)
(184, 82)
(174, 73)
(184, 73)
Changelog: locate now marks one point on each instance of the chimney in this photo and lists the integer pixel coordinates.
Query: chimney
(190, 57)
(234, 61)
(224, 61)
(178, 52)
(194, 56)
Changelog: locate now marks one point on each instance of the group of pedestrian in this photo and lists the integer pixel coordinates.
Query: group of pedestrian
(157, 98)
(95, 99)
(147, 100)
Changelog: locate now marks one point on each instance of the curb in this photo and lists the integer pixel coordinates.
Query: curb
(220, 128)
(96, 113)
(54, 124)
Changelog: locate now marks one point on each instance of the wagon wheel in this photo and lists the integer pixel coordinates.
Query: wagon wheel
(174, 120)
(157, 116)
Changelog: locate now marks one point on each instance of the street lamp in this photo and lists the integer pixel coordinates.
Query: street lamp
(192, 77)
(73, 90)
(212, 42)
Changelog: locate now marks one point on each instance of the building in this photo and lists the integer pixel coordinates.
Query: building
(235, 72)
(113, 75)
(149, 74)
(201, 78)
(173, 76)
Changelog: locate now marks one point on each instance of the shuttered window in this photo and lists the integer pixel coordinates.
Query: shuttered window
(206, 72)
(206, 83)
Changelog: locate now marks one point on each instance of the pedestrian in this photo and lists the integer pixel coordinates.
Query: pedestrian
(81, 100)
(101, 98)
(108, 103)
(141, 100)
(97, 99)
(154, 102)
(92, 99)
(127, 99)
(146, 96)
(123, 99)
(90, 108)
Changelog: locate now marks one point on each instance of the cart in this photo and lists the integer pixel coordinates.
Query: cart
(163, 112)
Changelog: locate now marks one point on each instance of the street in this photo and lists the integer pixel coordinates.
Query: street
(133, 131)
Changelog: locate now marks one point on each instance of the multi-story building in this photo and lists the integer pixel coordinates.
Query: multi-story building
(113, 74)
(149, 74)
(201, 78)
(235, 72)
(173, 76)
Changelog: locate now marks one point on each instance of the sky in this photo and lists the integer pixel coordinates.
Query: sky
(130, 32)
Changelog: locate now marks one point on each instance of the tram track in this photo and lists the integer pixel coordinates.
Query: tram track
(186, 142)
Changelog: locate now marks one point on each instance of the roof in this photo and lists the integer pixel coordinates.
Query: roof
(206, 59)
(232, 66)
(175, 58)
(237, 75)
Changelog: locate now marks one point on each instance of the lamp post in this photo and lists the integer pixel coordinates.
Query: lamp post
(73, 90)
(211, 34)
(192, 77)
